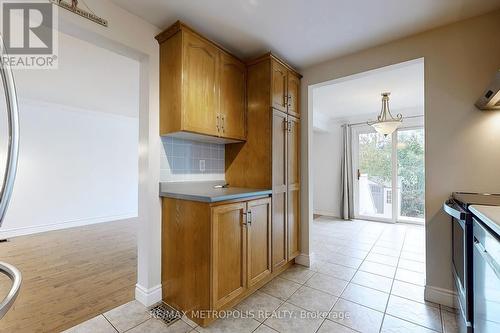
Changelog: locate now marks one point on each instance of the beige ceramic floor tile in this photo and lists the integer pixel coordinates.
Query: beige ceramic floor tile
(327, 284)
(127, 316)
(291, 319)
(329, 326)
(450, 322)
(312, 300)
(156, 326)
(396, 325)
(382, 259)
(264, 329)
(410, 277)
(297, 273)
(374, 281)
(356, 316)
(412, 265)
(337, 271)
(379, 269)
(417, 313)
(230, 325)
(280, 288)
(259, 305)
(97, 324)
(368, 297)
(410, 291)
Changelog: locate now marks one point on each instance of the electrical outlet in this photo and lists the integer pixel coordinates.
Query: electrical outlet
(202, 165)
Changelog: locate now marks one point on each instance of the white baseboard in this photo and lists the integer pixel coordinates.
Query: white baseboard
(440, 296)
(148, 297)
(325, 213)
(303, 259)
(16, 232)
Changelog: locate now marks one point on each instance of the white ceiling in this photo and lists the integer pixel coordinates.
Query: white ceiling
(306, 32)
(358, 96)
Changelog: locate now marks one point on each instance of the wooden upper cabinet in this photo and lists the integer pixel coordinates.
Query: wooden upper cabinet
(278, 88)
(293, 87)
(232, 97)
(259, 240)
(202, 88)
(200, 85)
(229, 258)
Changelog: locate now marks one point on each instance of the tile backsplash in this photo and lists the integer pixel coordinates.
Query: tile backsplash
(185, 160)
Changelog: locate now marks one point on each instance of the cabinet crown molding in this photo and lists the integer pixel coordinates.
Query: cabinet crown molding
(179, 26)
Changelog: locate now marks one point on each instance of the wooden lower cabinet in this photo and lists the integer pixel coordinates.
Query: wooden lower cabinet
(215, 255)
(259, 241)
(229, 247)
(293, 223)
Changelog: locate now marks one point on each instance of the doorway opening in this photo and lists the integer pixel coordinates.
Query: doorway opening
(357, 172)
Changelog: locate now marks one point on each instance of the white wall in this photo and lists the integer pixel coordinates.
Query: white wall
(78, 159)
(133, 38)
(462, 143)
(327, 162)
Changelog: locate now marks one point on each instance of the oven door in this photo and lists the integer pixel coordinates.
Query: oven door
(461, 233)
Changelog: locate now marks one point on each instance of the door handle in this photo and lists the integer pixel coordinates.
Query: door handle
(13, 147)
(14, 274)
(359, 174)
(10, 173)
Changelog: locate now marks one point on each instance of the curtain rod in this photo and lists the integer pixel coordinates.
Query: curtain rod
(365, 123)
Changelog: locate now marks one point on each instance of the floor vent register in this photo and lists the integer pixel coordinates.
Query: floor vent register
(165, 313)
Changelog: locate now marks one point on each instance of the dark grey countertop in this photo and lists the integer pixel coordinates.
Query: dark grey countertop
(205, 191)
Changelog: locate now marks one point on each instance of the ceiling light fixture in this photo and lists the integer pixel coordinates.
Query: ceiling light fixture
(386, 124)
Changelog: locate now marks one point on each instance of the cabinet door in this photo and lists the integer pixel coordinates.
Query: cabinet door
(259, 240)
(228, 253)
(293, 87)
(232, 97)
(200, 85)
(293, 191)
(279, 89)
(279, 227)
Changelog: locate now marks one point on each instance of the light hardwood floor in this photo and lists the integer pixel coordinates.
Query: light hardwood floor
(70, 276)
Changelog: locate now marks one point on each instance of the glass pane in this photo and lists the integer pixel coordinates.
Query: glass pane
(411, 176)
(375, 175)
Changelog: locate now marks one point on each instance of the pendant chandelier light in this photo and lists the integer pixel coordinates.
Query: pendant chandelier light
(386, 124)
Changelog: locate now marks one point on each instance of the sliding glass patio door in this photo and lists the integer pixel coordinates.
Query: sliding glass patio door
(389, 174)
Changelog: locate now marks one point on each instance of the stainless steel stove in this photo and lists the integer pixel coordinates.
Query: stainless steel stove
(462, 247)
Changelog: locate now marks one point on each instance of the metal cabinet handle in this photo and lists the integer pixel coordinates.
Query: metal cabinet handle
(248, 218)
(217, 123)
(14, 274)
(13, 148)
(290, 101)
(223, 117)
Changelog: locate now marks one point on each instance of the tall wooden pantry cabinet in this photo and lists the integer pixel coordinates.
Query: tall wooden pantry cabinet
(270, 158)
